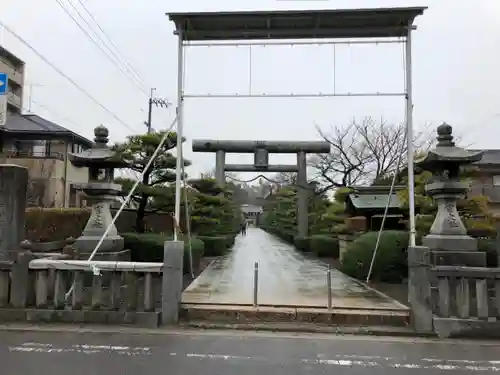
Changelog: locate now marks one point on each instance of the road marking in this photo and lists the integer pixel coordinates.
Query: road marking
(33, 347)
(340, 360)
(368, 362)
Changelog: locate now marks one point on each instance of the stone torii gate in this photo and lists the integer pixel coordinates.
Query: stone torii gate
(261, 150)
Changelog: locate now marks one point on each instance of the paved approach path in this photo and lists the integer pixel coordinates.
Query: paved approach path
(243, 353)
(286, 278)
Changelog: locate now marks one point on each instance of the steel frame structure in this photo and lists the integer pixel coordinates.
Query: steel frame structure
(309, 27)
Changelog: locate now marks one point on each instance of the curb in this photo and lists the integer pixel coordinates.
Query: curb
(305, 328)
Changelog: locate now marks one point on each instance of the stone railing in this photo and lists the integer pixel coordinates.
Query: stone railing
(466, 299)
(107, 292)
(44, 289)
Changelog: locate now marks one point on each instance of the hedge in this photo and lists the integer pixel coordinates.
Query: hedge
(324, 246)
(287, 236)
(149, 247)
(489, 246)
(217, 245)
(390, 262)
(55, 224)
(302, 243)
(321, 245)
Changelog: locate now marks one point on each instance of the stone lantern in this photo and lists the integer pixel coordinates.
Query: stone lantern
(100, 191)
(448, 238)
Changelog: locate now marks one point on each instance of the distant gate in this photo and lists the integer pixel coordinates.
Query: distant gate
(261, 150)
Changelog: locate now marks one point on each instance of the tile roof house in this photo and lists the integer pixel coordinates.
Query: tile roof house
(42, 146)
(487, 179)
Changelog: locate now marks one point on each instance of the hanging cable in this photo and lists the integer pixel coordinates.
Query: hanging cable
(93, 41)
(188, 223)
(108, 38)
(48, 62)
(386, 210)
(391, 190)
(126, 200)
(49, 110)
(253, 179)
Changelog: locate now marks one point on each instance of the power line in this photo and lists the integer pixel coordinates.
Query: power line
(48, 62)
(110, 40)
(93, 41)
(49, 110)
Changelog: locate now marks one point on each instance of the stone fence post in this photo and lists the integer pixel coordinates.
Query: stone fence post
(13, 190)
(419, 288)
(22, 293)
(172, 283)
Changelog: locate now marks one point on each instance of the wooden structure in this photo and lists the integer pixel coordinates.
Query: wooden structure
(371, 201)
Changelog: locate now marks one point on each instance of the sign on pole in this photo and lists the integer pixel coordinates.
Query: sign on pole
(4, 90)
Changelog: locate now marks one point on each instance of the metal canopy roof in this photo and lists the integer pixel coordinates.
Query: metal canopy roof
(293, 24)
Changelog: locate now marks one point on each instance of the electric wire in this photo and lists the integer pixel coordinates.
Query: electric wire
(93, 41)
(110, 41)
(60, 72)
(393, 182)
(49, 110)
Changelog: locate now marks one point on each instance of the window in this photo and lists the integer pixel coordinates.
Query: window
(496, 180)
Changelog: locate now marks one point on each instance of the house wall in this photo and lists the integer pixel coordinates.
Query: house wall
(488, 183)
(51, 175)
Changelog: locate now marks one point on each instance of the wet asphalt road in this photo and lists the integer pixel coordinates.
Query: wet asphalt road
(229, 353)
(285, 278)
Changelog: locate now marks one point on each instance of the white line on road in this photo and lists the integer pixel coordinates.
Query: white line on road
(371, 362)
(33, 347)
(340, 360)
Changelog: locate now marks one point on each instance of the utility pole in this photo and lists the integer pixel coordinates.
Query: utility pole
(158, 102)
(30, 97)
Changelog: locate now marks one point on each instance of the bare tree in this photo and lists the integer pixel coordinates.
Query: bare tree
(41, 173)
(285, 178)
(364, 152)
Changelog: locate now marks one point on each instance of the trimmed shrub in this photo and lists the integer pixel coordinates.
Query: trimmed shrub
(390, 263)
(302, 243)
(217, 245)
(55, 224)
(490, 248)
(324, 246)
(149, 247)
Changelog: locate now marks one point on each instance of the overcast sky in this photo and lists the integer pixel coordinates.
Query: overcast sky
(456, 55)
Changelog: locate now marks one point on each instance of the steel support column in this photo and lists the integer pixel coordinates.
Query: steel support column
(180, 130)
(409, 138)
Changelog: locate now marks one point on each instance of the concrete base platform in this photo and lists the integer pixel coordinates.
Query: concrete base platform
(246, 314)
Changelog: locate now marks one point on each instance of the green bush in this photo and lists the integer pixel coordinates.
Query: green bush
(302, 243)
(55, 224)
(217, 245)
(490, 248)
(390, 263)
(149, 247)
(324, 246)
